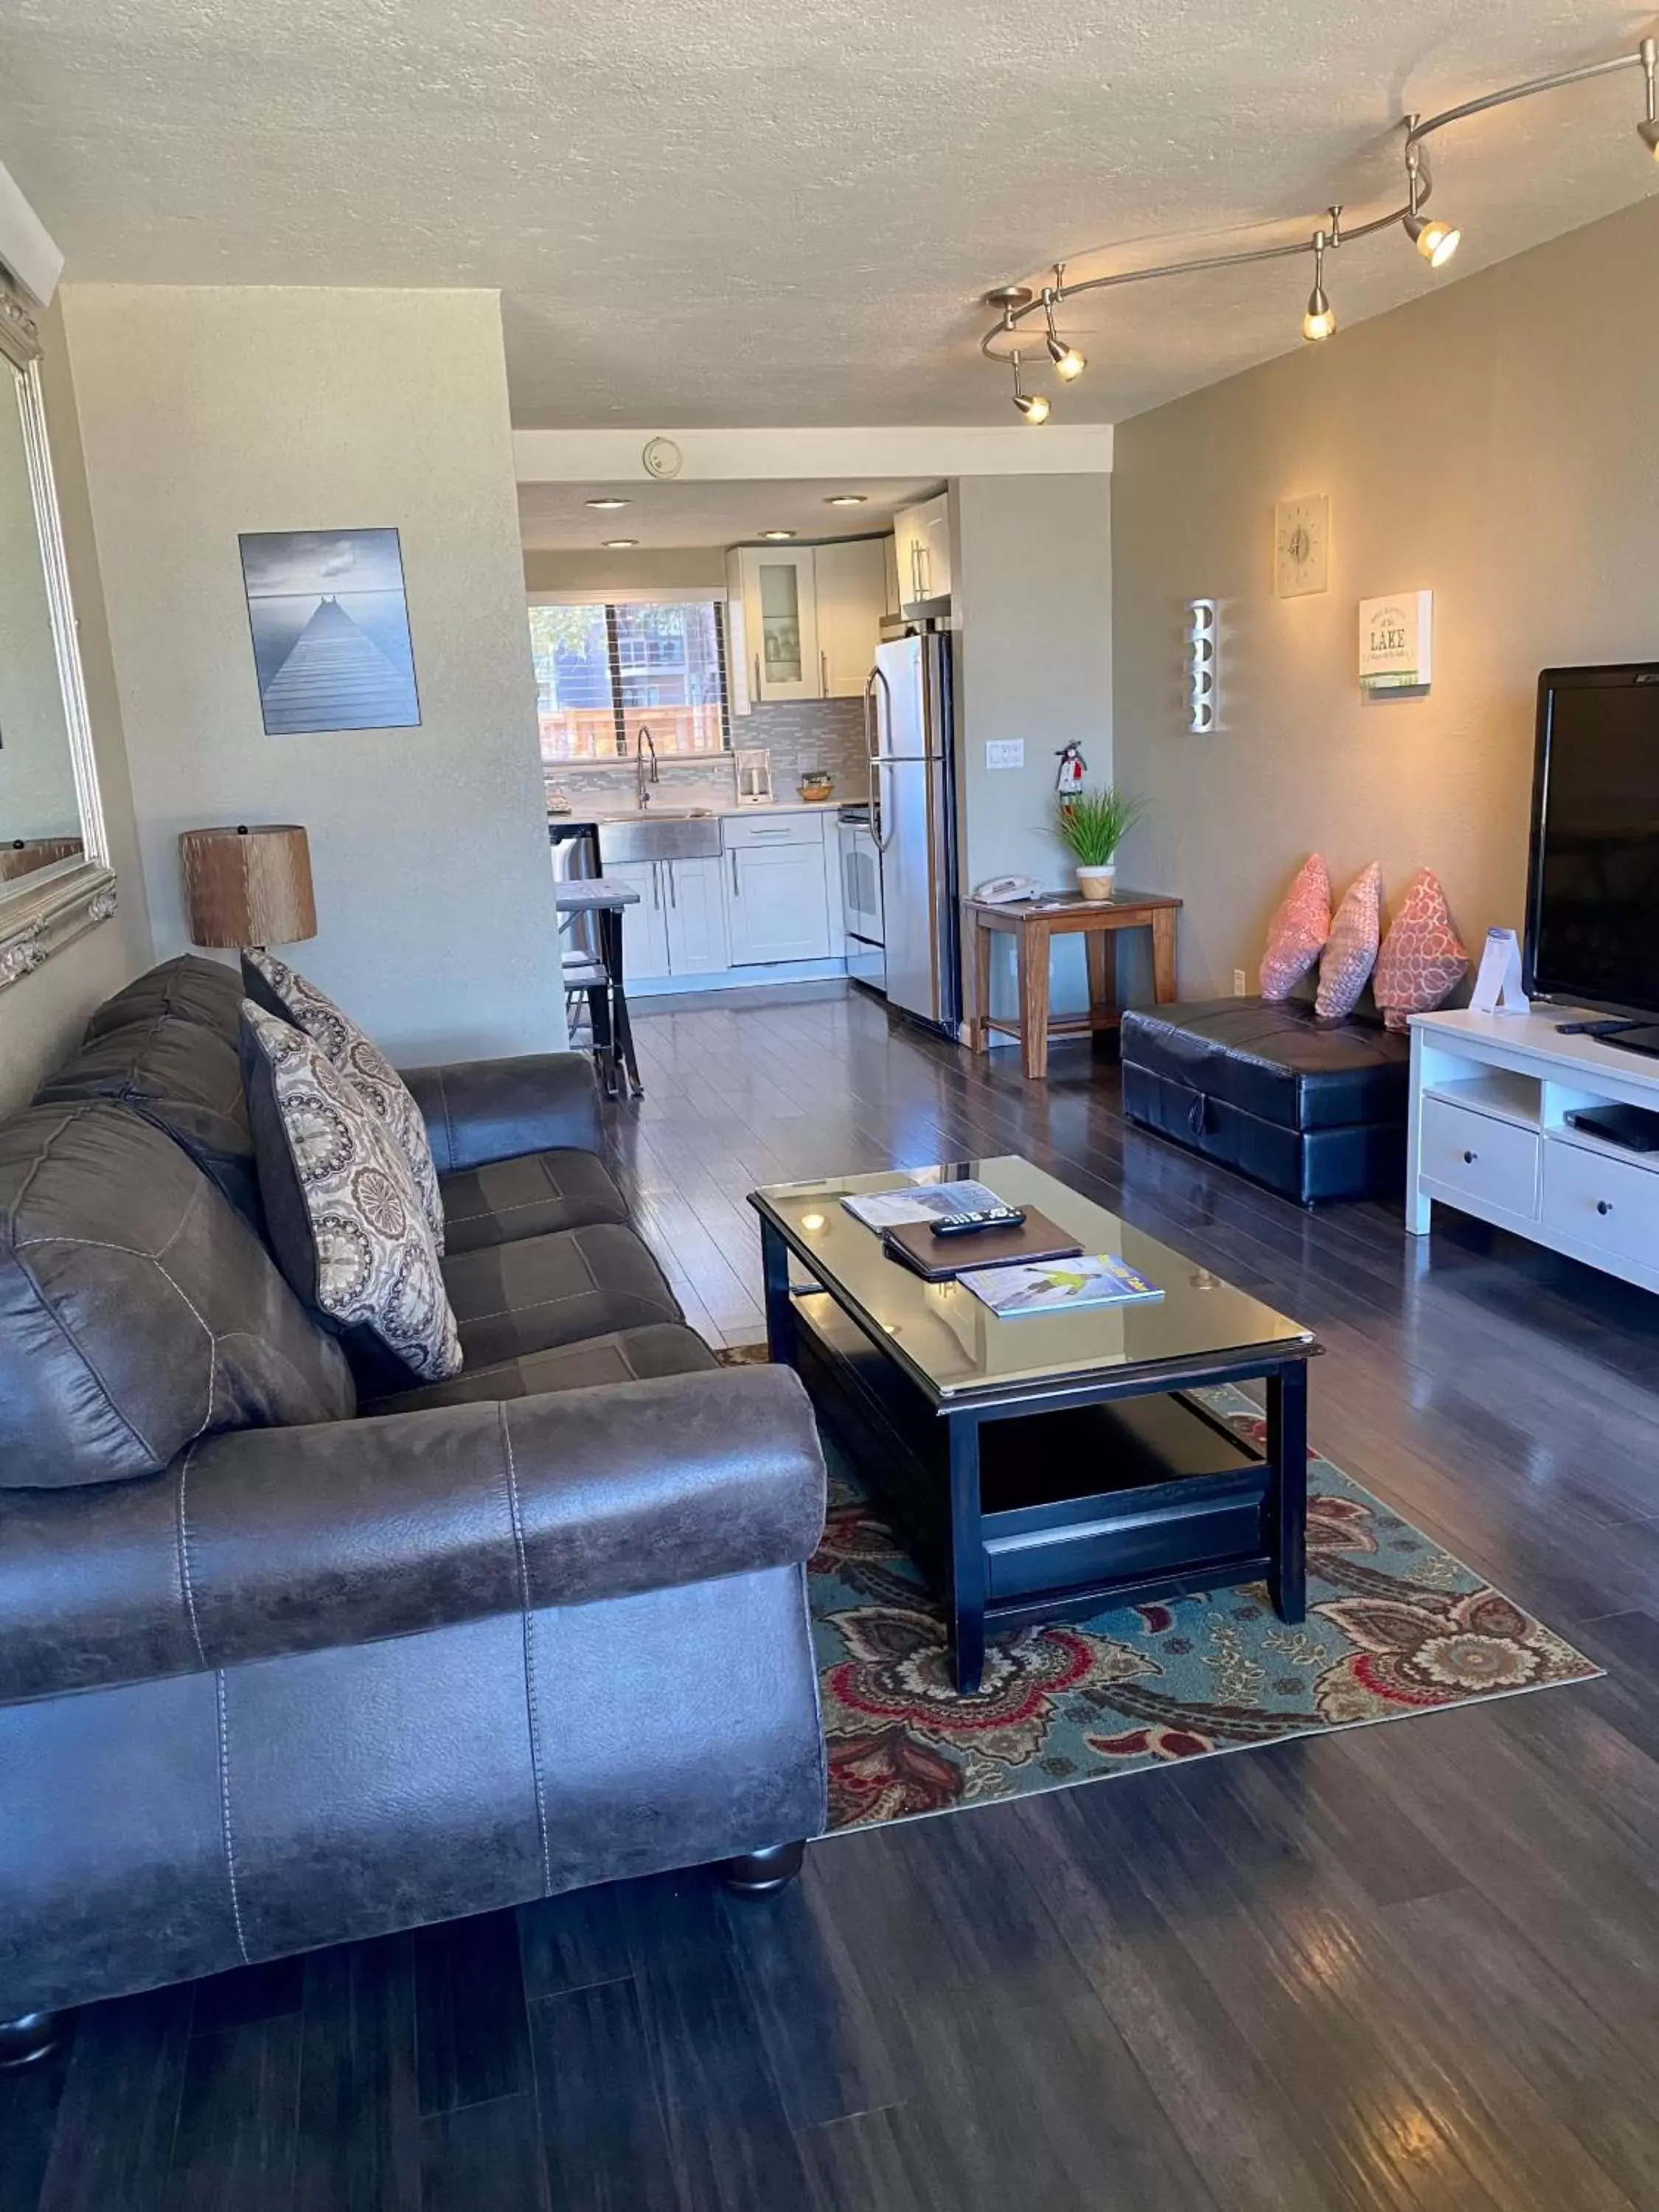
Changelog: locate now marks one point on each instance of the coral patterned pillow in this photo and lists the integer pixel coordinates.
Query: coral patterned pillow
(1422, 956)
(1346, 965)
(1296, 933)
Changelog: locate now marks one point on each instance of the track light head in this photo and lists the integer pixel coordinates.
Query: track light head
(1031, 404)
(1069, 363)
(1435, 241)
(1648, 129)
(1319, 322)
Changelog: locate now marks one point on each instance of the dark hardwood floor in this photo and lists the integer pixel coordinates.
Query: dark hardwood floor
(1412, 1967)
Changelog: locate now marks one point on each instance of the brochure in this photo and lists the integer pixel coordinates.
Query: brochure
(937, 1201)
(1059, 1286)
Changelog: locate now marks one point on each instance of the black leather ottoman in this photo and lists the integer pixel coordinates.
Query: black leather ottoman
(1316, 1109)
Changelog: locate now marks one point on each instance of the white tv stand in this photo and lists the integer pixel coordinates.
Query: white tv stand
(1488, 1135)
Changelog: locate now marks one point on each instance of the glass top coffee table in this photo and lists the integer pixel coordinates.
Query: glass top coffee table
(1045, 1467)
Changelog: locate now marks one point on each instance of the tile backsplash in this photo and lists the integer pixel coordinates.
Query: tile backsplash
(826, 733)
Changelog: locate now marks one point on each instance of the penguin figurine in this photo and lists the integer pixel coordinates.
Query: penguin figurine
(1073, 769)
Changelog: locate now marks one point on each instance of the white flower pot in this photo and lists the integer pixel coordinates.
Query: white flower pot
(1096, 883)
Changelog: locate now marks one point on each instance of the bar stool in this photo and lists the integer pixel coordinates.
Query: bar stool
(603, 897)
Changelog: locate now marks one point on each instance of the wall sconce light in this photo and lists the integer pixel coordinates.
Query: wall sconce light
(1203, 646)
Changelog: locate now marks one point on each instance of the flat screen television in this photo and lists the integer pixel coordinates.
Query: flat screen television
(1592, 937)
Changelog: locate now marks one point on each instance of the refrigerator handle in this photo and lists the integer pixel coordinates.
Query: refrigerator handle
(873, 710)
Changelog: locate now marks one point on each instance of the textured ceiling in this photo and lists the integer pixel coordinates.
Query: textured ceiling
(557, 516)
(710, 212)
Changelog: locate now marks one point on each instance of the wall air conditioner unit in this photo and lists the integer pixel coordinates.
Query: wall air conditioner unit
(27, 253)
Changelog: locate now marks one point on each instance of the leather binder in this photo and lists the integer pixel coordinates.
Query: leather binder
(938, 1259)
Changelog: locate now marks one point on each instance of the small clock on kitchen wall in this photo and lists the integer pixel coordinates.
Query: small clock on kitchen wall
(1302, 546)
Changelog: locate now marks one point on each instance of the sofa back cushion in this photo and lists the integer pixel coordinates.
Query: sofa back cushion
(205, 992)
(186, 1077)
(137, 1311)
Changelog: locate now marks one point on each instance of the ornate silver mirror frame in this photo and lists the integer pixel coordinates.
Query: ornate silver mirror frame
(42, 912)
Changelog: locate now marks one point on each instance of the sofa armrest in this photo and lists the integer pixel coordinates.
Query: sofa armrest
(479, 1110)
(265, 1541)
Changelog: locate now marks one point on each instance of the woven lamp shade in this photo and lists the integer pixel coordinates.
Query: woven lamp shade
(248, 886)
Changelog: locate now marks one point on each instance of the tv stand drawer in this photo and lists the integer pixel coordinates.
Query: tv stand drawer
(1495, 1162)
(1609, 1205)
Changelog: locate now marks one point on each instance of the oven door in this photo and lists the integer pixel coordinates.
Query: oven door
(860, 882)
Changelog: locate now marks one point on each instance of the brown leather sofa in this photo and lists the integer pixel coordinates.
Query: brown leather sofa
(282, 1668)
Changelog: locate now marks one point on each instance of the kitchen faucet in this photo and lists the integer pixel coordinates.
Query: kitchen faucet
(641, 778)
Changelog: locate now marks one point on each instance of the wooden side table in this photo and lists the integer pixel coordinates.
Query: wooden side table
(1034, 924)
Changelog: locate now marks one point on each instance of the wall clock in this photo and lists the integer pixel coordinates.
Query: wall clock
(1302, 546)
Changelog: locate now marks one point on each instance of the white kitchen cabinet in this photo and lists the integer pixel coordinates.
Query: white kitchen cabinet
(644, 926)
(696, 913)
(923, 551)
(777, 903)
(850, 578)
(892, 600)
(779, 605)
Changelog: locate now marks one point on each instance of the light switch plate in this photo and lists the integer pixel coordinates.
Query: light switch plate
(1004, 752)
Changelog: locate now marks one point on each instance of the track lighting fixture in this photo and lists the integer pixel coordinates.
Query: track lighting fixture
(1069, 363)
(1647, 129)
(1435, 238)
(1436, 241)
(1319, 322)
(1031, 404)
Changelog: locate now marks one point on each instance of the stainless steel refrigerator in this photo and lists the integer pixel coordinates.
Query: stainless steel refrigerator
(909, 722)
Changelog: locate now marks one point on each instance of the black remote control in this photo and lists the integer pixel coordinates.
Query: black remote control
(969, 1225)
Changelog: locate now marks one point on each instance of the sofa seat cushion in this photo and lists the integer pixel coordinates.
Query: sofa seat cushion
(183, 1076)
(205, 992)
(137, 1311)
(507, 1200)
(628, 1355)
(1277, 1062)
(513, 1299)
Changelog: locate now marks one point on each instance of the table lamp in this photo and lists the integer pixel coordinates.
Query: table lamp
(248, 887)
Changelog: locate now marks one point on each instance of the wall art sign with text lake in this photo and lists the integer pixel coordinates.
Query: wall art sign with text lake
(331, 648)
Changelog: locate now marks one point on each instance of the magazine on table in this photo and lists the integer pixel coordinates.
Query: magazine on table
(1059, 1286)
(938, 1201)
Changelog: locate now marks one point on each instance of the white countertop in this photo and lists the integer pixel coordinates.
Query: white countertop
(581, 812)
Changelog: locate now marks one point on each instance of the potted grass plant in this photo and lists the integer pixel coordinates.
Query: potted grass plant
(1093, 822)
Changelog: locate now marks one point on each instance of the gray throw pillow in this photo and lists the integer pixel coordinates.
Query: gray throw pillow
(343, 1217)
(280, 989)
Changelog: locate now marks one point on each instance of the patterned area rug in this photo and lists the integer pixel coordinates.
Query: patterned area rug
(1395, 1626)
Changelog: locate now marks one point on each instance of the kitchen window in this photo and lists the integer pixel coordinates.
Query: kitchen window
(604, 672)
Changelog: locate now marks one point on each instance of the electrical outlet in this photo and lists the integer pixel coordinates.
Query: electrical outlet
(1004, 752)
(1240, 986)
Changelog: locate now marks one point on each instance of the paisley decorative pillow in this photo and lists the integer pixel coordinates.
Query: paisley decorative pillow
(1422, 957)
(1297, 932)
(341, 1207)
(1346, 965)
(280, 989)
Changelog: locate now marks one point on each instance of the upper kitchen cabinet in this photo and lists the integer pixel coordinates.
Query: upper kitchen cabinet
(852, 593)
(804, 621)
(780, 622)
(923, 545)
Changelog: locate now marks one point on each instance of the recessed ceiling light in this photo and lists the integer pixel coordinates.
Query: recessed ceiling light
(619, 545)
(777, 533)
(608, 504)
(848, 499)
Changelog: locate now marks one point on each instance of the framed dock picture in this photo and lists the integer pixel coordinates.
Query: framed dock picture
(331, 648)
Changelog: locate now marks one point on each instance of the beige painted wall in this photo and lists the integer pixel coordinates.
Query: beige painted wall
(42, 1016)
(673, 569)
(1031, 565)
(1497, 442)
(210, 411)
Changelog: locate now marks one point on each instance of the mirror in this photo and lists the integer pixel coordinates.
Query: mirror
(39, 807)
(54, 876)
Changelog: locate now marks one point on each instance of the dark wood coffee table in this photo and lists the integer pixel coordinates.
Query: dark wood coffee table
(1049, 1467)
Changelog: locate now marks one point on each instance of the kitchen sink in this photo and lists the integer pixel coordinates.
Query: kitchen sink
(689, 836)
